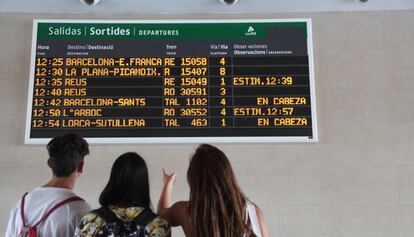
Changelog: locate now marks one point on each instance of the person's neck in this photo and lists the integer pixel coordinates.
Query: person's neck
(62, 182)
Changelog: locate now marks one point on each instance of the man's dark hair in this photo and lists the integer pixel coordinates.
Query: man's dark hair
(66, 153)
(128, 183)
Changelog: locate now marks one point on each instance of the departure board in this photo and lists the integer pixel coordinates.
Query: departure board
(122, 81)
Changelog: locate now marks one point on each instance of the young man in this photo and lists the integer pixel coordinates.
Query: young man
(66, 155)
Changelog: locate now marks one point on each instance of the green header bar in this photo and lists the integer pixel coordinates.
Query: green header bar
(161, 31)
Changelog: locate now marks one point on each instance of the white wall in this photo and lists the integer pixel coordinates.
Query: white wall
(357, 181)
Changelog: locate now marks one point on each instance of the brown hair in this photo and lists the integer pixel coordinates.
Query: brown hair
(217, 204)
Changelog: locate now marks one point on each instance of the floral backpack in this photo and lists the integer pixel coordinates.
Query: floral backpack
(116, 227)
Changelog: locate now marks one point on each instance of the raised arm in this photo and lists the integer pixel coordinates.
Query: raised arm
(164, 204)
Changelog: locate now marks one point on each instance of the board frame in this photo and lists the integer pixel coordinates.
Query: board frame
(181, 140)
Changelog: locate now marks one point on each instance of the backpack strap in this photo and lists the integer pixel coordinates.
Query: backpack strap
(22, 209)
(144, 218)
(47, 214)
(106, 214)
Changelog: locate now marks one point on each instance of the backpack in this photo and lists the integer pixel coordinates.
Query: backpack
(31, 231)
(116, 227)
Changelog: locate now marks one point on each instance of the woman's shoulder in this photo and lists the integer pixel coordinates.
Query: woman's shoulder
(250, 204)
(181, 209)
(182, 205)
(254, 207)
(89, 224)
(159, 227)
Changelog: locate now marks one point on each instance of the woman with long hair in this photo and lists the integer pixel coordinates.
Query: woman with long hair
(125, 204)
(217, 207)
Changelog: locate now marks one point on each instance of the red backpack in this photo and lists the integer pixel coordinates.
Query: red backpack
(31, 231)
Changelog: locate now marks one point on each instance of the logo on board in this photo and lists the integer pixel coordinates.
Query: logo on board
(251, 31)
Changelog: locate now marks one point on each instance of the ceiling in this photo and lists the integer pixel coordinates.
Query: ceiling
(200, 6)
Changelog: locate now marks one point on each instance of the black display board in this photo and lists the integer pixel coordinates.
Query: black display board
(172, 82)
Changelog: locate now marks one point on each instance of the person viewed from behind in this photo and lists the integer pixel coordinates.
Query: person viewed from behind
(53, 209)
(125, 204)
(217, 207)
